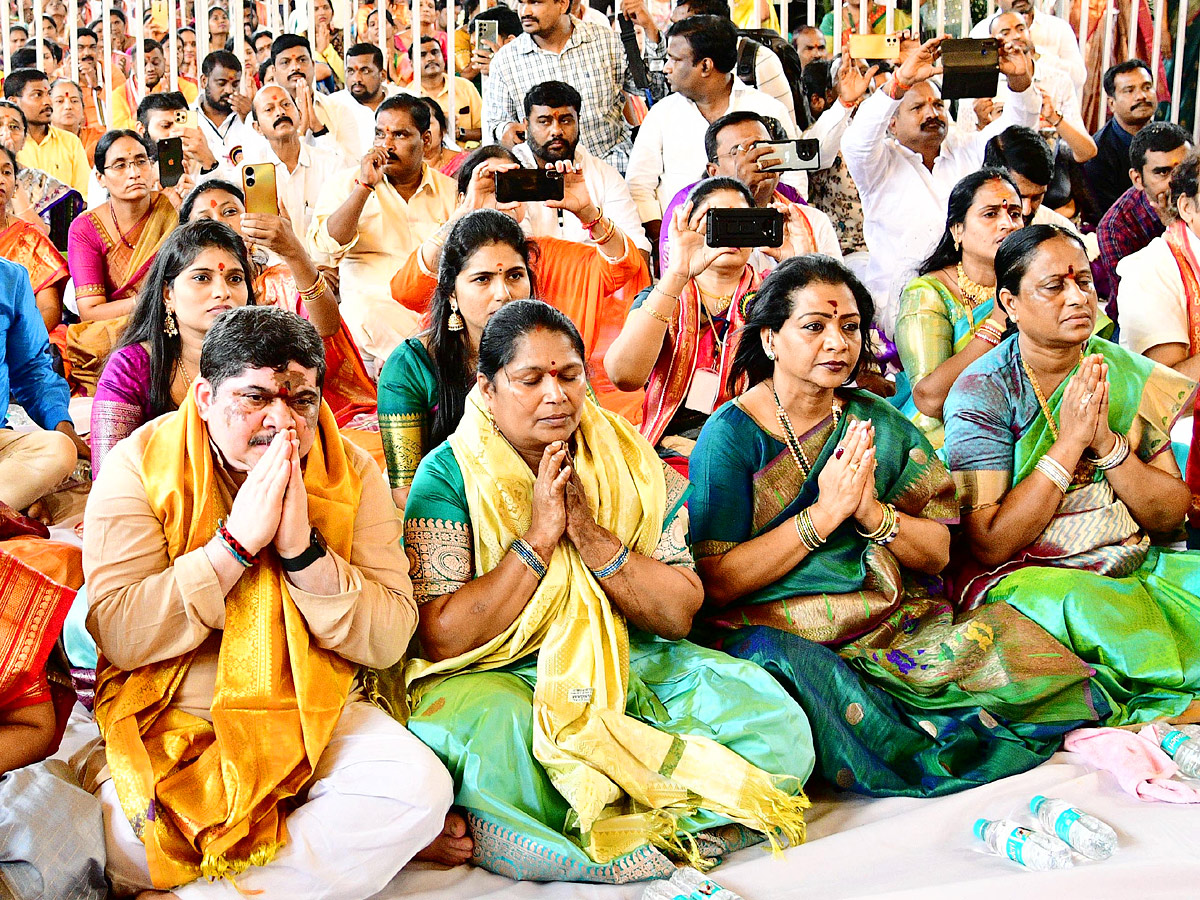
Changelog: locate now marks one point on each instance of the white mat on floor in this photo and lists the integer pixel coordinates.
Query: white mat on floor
(905, 849)
(895, 848)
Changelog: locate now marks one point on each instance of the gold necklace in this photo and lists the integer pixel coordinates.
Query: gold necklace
(793, 443)
(973, 292)
(723, 300)
(1041, 397)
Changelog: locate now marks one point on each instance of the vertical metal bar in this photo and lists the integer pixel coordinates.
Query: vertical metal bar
(1085, 11)
(72, 39)
(107, 59)
(862, 17)
(889, 17)
(1110, 25)
(1177, 76)
(783, 19)
(1196, 111)
(451, 72)
(964, 27)
(4, 27)
(812, 13)
(1131, 49)
(916, 19)
(1160, 8)
(173, 60)
(941, 17)
(238, 21)
(200, 12)
(837, 27)
(139, 48)
(415, 49)
(381, 36)
(39, 36)
(991, 7)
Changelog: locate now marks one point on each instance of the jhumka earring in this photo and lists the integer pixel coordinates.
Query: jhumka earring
(170, 327)
(455, 321)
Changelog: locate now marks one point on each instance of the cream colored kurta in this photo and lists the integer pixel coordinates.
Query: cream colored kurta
(1152, 307)
(389, 229)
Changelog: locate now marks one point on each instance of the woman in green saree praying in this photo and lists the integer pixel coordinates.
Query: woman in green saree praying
(948, 314)
(818, 526)
(548, 551)
(1060, 445)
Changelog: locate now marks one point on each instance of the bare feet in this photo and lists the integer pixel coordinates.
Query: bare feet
(453, 846)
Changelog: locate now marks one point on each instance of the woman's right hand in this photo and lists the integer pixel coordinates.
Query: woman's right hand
(842, 482)
(690, 254)
(1079, 412)
(549, 519)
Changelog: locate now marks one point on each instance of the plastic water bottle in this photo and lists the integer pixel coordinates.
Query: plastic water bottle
(1086, 834)
(1023, 846)
(687, 884)
(1184, 749)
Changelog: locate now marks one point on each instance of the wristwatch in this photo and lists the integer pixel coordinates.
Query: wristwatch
(316, 549)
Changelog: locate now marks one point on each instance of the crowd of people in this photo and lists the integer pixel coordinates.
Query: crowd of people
(387, 477)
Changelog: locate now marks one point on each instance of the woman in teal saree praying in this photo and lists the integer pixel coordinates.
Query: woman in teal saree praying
(819, 526)
(1060, 445)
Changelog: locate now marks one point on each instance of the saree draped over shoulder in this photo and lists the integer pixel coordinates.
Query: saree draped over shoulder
(1093, 579)
(210, 798)
(109, 268)
(583, 751)
(906, 697)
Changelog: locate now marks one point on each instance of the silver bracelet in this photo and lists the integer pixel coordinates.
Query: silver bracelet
(1055, 471)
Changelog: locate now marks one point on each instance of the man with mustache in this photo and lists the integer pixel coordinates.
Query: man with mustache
(1141, 213)
(467, 123)
(905, 160)
(353, 108)
(52, 150)
(125, 98)
(222, 108)
(552, 135)
(300, 168)
(295, 71)
(1051, 36)
(369, 219)
(1132, 102)
(1030, 163)
(258, 602)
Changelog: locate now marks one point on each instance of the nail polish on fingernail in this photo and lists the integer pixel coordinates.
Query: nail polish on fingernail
(837, 454)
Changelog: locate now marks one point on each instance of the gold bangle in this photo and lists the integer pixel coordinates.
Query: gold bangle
(1055, 471)
(607, 236)
(315, 290)
(654, 313)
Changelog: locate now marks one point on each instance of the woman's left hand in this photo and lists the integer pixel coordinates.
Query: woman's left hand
(793, 227)
(273, 232)
(1104, 439)
(867, 514)
(580, 520)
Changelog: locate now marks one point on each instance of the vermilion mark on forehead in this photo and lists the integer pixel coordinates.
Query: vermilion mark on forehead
(220, 267)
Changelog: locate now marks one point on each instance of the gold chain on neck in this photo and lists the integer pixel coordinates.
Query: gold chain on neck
(973, 292)
(793, 443)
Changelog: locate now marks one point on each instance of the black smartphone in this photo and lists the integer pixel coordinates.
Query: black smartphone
(744, 228)
(529, 185)
(970, 68)
(170, 161)
(803, 155)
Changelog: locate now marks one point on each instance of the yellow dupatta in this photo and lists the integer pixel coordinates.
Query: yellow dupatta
(209, 798)
(627, 782)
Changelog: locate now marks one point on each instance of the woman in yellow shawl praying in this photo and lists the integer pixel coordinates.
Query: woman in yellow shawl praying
(548, 549)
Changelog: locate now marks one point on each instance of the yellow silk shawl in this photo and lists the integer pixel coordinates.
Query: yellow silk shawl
(210, 798)
(627, 782)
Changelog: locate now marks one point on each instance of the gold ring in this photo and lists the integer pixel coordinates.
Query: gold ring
(853, 467)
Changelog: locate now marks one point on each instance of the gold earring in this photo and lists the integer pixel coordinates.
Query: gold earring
(170, 327)
(455, 321)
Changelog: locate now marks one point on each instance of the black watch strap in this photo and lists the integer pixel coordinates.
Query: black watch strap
(316, 549)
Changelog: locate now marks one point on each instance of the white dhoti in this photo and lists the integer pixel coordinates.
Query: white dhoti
(377, 798)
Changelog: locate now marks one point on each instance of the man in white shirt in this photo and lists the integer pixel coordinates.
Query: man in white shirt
(295, 72)
(300, 169)
(1052, 36)
(1160, 284)
(905, 160)
(222, 108)
(551, 135)
(669, 151)
(353, 108)
(1062, 113)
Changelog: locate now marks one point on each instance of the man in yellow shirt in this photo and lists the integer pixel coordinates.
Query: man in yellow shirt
(468, 123)
(126, 98)
(370, 219)
(52, 150)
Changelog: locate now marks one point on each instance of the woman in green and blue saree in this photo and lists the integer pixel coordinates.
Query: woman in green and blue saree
(1060, 445)
(948, 314)
(819, 525)
(549, 556)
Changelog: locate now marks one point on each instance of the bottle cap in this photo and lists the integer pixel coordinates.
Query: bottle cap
(1036, 803)
(981, 826)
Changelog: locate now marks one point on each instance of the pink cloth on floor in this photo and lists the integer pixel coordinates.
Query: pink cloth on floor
(1141, 767)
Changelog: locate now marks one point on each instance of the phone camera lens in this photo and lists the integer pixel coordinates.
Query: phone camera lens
(249, 181)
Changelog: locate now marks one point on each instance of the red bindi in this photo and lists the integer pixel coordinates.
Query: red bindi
(212, 203)
(221, 267)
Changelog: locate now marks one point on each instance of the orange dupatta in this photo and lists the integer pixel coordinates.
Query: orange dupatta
(24, 244)
(210, 798)
(1189, 271)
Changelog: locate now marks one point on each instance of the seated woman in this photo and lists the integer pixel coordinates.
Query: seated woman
(424, 383)
(440, 154)
(548, 548)
(201, 271)
(948, 315)
(27, 245)
(296, 284)
(593, 284)
(40, 199)
(817, 525)
(1060, 444)
(112, 248)
(683, 346)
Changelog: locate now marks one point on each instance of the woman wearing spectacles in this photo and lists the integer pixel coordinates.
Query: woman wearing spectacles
(111, 248)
